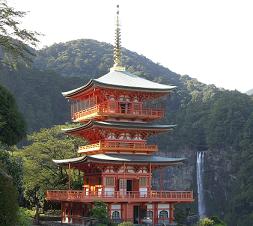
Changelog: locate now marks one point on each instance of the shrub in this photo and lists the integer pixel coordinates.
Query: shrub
(217, 221)
(206, 222)
(125, 224)
(99, 212)
(8, 199)
(24, 217)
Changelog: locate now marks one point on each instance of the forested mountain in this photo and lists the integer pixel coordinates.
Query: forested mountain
(208, 119)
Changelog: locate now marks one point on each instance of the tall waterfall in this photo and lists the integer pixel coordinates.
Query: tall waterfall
(200, 177)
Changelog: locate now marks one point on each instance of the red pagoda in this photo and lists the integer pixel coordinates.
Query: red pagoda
(118, 162)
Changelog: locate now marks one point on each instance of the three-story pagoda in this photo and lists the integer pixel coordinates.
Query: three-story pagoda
(118, 162)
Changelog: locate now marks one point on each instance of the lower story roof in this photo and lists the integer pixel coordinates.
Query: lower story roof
(121, 158)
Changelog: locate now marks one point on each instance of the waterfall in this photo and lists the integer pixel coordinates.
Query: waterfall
(200, 177)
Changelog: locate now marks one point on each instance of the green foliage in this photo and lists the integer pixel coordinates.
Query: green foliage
(12, 125)
(40, 173)
(217, 221)
(14, 167)
(13, 38)
(25, 217)
(126, 224)
(241, 198)
(88, 58)
(99, 212)
(8, 199)
(38, 96)
(205, 222)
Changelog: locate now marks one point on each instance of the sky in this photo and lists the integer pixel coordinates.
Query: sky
(211, 40)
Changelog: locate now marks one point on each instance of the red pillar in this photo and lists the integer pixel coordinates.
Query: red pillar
(155, 214)
(109, 210)
(150, 180)
(62, 210)
(171, 210)
(129, 212)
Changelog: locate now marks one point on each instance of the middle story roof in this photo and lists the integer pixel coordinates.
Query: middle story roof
(120, 125)
(95, 129)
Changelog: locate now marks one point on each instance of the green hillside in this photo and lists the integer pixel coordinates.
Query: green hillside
(208, 119)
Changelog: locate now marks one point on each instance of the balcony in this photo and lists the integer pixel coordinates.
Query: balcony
(153, 196)
(115, 109)
(118, 146)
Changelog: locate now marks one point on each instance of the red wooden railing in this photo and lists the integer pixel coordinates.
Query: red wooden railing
(115, 108)
(120, 146)
(82, 196)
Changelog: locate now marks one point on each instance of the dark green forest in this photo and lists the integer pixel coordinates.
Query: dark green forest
(209, 119)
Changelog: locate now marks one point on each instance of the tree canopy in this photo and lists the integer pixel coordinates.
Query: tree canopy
(40, 173)
(14, 39)
(12, 124)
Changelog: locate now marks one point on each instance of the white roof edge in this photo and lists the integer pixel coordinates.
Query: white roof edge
(69, 160)
(123, 80)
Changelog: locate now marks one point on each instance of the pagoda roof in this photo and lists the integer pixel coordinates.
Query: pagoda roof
(120, 125)
(121, 79)
(121, 158)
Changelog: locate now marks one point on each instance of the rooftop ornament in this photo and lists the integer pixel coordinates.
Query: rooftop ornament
(117, 66)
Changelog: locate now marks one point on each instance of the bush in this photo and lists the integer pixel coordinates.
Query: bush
(217, 221)
(25, 217)
(206, 222)
(8, 199)
(99, 212)
(125, 224)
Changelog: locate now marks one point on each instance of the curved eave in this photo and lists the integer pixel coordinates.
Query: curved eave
(120, 125)
(68, 161)
(94, 82)
(71, 93)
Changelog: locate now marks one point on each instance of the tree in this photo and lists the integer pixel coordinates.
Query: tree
(8, 199)
(14, 40)
(13, 166)
(40, 172)
(12, 124)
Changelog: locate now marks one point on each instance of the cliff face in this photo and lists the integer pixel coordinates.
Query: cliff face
(217, 178)
(218, 181)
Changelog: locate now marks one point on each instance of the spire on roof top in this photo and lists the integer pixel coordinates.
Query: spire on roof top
(117, 46)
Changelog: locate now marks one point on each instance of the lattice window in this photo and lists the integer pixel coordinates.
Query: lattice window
(122, 184)
(143, 181)
(109, 181)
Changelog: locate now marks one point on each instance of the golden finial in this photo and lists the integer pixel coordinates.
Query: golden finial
(117, 46)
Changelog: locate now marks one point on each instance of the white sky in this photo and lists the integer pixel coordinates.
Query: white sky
(211, 40)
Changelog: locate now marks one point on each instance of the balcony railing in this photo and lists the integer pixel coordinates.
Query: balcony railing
(119, 146)
(115, 109)
(112, 196)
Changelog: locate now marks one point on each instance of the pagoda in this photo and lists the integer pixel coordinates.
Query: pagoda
(115, 116)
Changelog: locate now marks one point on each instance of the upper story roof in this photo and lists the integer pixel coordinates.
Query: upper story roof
(121, 79)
